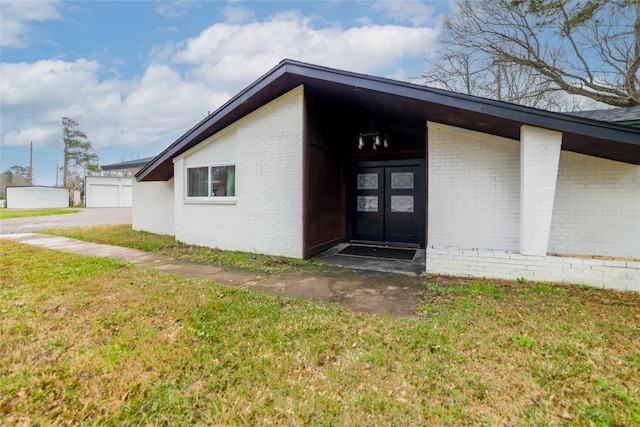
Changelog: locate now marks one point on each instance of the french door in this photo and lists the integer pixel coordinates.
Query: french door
(388, 203)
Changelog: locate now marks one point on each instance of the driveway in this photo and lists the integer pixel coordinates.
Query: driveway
(84, 218)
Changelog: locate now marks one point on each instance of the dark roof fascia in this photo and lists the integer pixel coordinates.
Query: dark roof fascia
(127, 165)
(562, 122)
(303, 73)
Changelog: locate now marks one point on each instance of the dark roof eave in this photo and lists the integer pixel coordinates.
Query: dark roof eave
(545, 119)
(127, 165)
(296, 73)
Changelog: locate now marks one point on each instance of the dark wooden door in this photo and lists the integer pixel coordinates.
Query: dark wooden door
(368, 215)
(404, 205)
(389, 205)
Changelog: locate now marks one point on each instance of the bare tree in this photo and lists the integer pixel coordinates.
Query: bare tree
(533, 52)
(474, 73)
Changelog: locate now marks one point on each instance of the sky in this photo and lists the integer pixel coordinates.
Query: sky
(136, 75)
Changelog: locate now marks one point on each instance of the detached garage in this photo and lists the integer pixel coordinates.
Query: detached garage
(37, 197)
(107, 192)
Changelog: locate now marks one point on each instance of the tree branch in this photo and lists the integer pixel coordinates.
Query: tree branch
(581, 56)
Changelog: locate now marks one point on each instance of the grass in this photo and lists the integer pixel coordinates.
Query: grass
(118, 235)
(100, 342)
(123, 235)
(23, 213)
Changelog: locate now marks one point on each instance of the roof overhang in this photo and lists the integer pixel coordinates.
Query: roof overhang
(406, 102)
(128, 165)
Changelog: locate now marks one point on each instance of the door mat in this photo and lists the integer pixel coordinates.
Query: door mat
(379, 252)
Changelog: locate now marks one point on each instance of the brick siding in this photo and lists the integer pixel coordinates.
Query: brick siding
(577, 205)
(266, 216)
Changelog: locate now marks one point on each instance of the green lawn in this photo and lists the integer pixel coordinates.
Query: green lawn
(100, 342)
(23, 213)
(123, 235)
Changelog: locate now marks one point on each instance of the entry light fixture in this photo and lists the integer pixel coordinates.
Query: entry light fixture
(377, 141)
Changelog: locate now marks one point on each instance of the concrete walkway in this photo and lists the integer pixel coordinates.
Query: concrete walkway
(367, 291)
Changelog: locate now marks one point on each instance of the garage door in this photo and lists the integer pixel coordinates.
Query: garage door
(103, 196)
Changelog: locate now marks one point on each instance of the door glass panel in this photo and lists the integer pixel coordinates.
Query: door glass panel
(401, 203)
(367, 203)
(367, 181)
(402, 181)
(387, 202)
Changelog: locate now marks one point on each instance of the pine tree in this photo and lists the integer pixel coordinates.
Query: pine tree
(78, 152)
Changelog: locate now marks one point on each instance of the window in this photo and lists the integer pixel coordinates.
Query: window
(211, 181)
(197, 182)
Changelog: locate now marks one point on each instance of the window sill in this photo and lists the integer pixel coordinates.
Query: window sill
(211, 201)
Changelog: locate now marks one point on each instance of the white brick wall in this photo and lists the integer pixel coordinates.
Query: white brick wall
(266, 217)
(153, 210)
(584, 206)
(622, 275)
(597, 208)
(474, 189)
(539, 157)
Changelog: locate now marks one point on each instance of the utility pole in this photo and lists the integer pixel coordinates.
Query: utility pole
(31, 164)
(57, 173)
(64, 167)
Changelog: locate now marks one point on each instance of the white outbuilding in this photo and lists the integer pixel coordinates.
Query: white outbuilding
(37, 197)
(108, 192)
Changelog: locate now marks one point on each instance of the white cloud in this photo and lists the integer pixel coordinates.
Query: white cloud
(184, 80)
(15, 17)
(175, 9)
(37, 95)
(416, 12)
(218, 63)
(231, 56)
(112, 112)
(235, 14)
(162, 97)
(46, 84)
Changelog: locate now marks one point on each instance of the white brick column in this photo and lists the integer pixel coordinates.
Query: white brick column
(539, 158)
